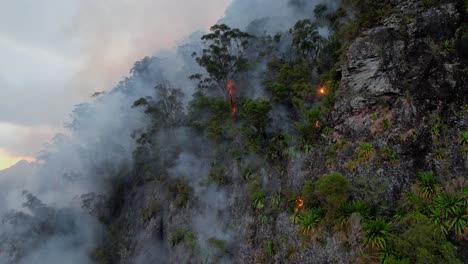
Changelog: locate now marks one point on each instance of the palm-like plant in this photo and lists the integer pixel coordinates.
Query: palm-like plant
(393, 159)
(450, 212)
(427, 184)
(296, 218)
(464, 138)
(344, 212)
(311, 218)
(259, 200)
(366, 149)
(439, 154)
(435, 130)
(378, 232)
(275, 200)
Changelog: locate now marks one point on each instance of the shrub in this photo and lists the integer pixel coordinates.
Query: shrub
(346, 209)
(218, 175)
(296, 218)
(419, 242)
(308, 192)
(450, 213)
(393, 159)
(180, 235)
(464, 138)
(275, 200)
(447, 45)
(386, 124)
(378, 232)
(439, 154)
(365, 150)
(427, 184)
(182, 191)
(333, 189)
(311, 218)
(258, 200)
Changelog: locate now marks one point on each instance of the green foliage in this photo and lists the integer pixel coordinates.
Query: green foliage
(419, 242)
(386, 151)
(258, 200)
(450, 213)
(439, 154)
(345, 210)
(464, 138)
(308, 192)
(182, 235)
(378, 232)
(224, 58)
(393, 159)
(436, 127)
(211, 114)
(296, 218)
(254, 114)
(287, 81)
(308, 130)
(219, 245)
(306, 40)
(386, 123)
(447, 45)
(333, 189)
(365, 150)
(311, 219)
(218, 175)
(275, 200)
(270, 248)
(427, 184)
(182, 192)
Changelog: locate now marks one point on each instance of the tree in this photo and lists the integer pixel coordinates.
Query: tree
(224, 57)
(420, 242)
(168, 110)
(333, 189)
(306, 40)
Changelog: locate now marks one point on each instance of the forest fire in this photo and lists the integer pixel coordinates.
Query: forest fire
(231, 86)
(322, 90)
(300, 204)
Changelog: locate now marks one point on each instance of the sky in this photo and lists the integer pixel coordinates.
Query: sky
(57, 53)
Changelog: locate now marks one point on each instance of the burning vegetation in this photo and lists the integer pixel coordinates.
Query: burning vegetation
(231, 86)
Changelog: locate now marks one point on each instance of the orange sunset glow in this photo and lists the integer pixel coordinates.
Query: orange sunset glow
(7, 160)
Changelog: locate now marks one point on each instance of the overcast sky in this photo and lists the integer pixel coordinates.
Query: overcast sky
(57, 53)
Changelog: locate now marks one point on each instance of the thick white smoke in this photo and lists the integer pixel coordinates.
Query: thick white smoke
(99, 146)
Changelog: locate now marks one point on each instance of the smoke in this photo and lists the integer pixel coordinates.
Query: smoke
(100, 141)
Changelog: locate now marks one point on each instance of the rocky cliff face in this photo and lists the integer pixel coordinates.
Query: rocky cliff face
(402, 97)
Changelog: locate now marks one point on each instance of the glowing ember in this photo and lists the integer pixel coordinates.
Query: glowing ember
(232, 95)
(300, 204)
(322, 90)
(317, 123)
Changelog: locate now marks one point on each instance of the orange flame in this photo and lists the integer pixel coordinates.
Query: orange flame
(300, 204)
(317, 123)
(232, 95)
(322, 90)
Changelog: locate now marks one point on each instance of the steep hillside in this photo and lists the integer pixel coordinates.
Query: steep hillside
(335, 133)
(359, 170)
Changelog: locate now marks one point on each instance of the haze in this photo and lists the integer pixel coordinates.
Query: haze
(57, 53)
